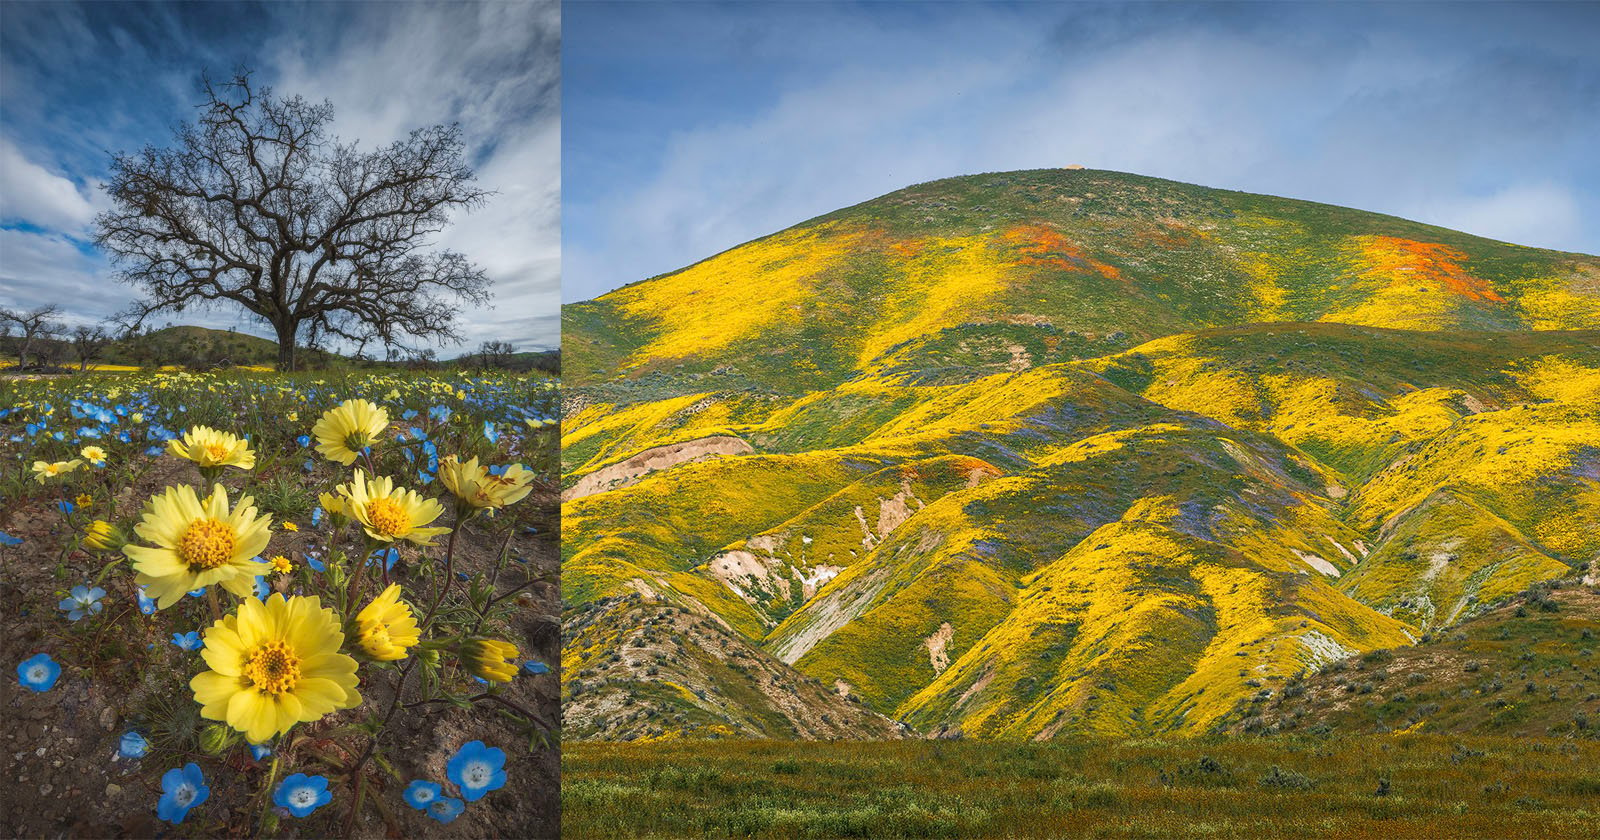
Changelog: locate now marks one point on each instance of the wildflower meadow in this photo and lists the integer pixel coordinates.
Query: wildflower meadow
(249, 604)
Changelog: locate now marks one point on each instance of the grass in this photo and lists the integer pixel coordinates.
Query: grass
(1432, 786)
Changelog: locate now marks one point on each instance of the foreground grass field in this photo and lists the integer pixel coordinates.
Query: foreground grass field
(1376, 786)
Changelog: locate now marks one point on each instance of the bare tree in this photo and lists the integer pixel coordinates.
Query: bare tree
(35, 327)
(493, 354)
(258, 206)
(89, 343)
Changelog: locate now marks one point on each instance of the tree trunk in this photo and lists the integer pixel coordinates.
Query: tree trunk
(286, 333)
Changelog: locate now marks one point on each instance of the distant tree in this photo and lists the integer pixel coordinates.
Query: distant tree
(36, 329)
(89, 343)
(493, 354)
(258, 206)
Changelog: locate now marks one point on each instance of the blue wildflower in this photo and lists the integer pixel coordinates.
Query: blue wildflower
(408, 414)
(445, 809)
(534, 666)
(477, 769)
(195, 593)
(133, 745)
(147, 604)
(303, 440)
(420, 794)
(260, 751)
(389, 556)
(261, 588)
(65, 506)
(316, 516)
(7, 539)
(38, 672)
(152, 450)
(82, 601)
(489, 433)
(181, 790)
(315, 562)
(187, 641)
(302, 794)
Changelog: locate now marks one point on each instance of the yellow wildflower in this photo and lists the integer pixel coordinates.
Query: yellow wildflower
(475, 485)
(281, 564)
(390, 513)
(491, 659)
(198, 543)
(207, 447)
(94, 455)
(273, 665)
(348, 428)
(386, 627)
(45, 469)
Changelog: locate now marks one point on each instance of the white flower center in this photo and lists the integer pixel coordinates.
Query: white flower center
(303, 797)
(37, 673)
(476, 774)
(424, 795)
(184, 795)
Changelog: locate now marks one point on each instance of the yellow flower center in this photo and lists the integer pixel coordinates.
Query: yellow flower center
(207, 544)
(374, 637)
(273, 668)
(387, 517)
(217, 451)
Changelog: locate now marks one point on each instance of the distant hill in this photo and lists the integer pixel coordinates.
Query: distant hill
(1039, 453)
(1060, 264)
(202, 346)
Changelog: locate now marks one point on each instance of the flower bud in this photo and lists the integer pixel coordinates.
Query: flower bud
(101, 535)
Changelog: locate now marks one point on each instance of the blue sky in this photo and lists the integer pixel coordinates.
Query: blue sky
(79, 81)
(692, 127)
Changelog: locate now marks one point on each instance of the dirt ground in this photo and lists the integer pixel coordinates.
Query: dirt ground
(58, 748)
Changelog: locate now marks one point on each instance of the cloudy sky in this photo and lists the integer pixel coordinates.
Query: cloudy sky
(80, 81)
(690, 128)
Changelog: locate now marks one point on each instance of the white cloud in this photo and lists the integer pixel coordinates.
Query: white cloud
(33, 194)
(493, 68)
(1480, 136)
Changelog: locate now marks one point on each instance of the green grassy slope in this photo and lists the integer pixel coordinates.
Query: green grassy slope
(1527, 668)
(1004, 519)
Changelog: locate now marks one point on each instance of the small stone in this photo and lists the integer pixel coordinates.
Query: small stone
(113, 789)
(39, 752)
(108, 718)
(44, 790)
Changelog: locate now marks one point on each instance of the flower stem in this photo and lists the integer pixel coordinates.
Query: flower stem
(266, 793)
(449, 572)
(211, 598)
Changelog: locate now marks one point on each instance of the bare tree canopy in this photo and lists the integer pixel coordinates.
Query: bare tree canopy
(89, 343)
(256, 205)
(33, 326)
